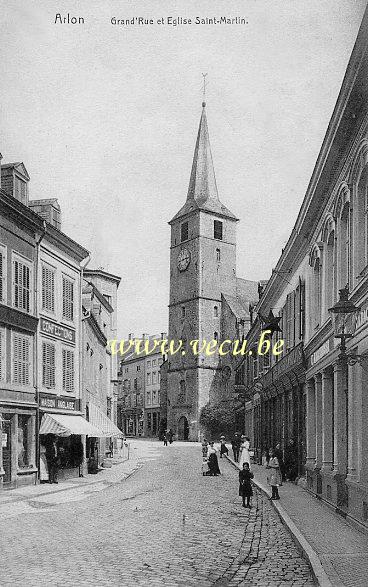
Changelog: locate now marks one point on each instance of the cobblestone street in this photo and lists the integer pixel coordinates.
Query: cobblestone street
(164, 525)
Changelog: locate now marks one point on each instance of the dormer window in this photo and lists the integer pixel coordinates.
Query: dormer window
(184, 232)
(217, 230)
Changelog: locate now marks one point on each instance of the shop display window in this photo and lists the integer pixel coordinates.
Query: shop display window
(23, 447)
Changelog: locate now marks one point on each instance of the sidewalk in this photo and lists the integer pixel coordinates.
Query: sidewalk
(336, 551)
(32, 497)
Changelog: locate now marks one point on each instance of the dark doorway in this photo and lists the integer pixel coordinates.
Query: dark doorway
(183, 429)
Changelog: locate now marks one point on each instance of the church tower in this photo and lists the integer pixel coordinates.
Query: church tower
(202, 267)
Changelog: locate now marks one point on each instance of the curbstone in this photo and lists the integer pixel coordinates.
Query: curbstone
(306, 549)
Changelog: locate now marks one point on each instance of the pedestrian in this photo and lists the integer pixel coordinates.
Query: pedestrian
(204, 448)
(235, 444)
(244, 452)
(213, 465)
(165, 439)
(274, 477)
(52, 458)
(223, 448)
(170, 435)
(291, 461)
(44, 473)
(245, 484)
(280, 458)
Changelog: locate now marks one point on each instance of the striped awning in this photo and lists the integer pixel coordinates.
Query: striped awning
(65, 425)
(102, 422)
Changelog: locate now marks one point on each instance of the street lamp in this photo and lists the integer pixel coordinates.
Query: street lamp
(344, 315)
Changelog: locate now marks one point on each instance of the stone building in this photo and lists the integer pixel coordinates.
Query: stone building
(20, 236)
(139, 389)
(207, 300)
(326, 252)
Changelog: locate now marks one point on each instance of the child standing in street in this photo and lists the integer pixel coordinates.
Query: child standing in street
(245, 484)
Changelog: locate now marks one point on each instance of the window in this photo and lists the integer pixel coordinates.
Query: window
(183, 312)
(107, 298)
(217, 230)
(68, 370)
(3, 273)
(48, 289)
(149, 421)
(215, 336)
(184, 232)
(148, 364)
(23, 449)
(153, 362)
(154, 377)
(218, 255)
(148, 397)
(154, 397)
(182, 392)
(215, 311)
(20, 190)
(149, 378)
(138, 367)
(68, 299)
(21, 286)
(21, 359)
(48, 365)
(135, 384)
(361, 223)
(343, 269)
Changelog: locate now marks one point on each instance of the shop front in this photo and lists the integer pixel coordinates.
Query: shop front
(98, 448)
(62, 435)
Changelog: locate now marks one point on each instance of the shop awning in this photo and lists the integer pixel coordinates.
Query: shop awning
(102, 422)
(65, 425)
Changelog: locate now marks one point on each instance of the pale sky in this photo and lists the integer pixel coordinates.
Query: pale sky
(105, 119)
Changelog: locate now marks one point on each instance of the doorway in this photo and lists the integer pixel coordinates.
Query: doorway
(183, 429)
(7, 452)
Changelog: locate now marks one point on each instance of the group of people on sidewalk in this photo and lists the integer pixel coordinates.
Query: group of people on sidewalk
(168, 437)
(242, 455)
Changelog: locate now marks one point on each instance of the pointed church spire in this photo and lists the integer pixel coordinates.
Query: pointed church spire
(202, 184)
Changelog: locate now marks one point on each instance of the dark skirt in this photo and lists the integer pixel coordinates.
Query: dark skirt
(245, 489)
(224, 449)
(213, 465)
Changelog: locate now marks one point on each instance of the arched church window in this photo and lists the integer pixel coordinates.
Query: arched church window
(217, 230)
(215, 311)
(218, 255)
(215, 336)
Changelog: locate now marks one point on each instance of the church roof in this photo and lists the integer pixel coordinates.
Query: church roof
(202, 191)
(246, 295)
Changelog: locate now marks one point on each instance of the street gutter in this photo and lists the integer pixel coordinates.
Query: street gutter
(305, 548)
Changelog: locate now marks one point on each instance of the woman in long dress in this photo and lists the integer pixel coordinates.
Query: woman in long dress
(213, 461)
(44, 473)
(244, 452)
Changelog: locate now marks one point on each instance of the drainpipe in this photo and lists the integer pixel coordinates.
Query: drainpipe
(36, 353)
(81, 347)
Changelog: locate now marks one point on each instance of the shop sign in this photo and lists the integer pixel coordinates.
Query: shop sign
(57, 330)
(58, 403)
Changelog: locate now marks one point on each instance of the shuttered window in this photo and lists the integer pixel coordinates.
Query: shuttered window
(48, 365)
(68, 370)
(3, 274)
(21, 286)
(68, 299)
(48, 289)
(21, 359)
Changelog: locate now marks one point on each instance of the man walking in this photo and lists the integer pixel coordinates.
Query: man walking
(52, 460)
(235, 443)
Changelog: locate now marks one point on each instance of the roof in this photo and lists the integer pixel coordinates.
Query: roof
(202, 192)
(246, 294)
(19, 166)
(102, 273)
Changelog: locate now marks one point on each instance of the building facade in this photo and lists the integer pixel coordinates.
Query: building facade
(21, 233)
(326, 252)
(139, 389)
(202, 280)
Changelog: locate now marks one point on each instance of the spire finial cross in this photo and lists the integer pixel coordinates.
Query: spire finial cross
(205, 84)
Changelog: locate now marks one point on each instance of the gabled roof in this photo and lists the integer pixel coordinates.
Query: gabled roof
(246, 295)
(202, 191)
(18, 166)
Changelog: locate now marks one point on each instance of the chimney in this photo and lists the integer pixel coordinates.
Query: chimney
(48, 209)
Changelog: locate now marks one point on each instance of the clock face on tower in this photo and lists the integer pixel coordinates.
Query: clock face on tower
(183, 259)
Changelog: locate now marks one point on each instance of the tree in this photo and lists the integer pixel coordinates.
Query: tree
(219, 418)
